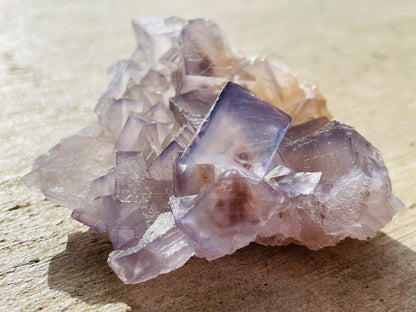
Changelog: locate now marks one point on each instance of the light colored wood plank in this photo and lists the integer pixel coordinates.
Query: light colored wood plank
(53, 57)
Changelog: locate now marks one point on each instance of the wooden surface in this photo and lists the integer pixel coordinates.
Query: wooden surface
(53, 59)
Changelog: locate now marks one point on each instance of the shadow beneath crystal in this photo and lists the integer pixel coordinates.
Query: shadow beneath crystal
(378, 274)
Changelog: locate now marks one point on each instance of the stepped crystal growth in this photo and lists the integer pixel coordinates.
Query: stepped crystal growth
(200, 152)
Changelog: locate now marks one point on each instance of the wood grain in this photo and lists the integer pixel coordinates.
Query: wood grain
(53, 58)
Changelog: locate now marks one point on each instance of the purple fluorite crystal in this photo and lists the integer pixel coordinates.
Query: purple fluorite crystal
(184, 162)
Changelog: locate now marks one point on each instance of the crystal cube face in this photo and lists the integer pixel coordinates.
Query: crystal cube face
(241, 131)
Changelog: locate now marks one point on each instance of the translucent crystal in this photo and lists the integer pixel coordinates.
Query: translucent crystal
(241, 131)
(198, 151)
(60, 174)
(349, 180)
(229, 213)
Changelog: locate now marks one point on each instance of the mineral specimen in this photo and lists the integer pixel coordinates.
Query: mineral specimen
(199, 152)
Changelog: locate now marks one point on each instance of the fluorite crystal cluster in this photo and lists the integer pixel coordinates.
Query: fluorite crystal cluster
(198, 151)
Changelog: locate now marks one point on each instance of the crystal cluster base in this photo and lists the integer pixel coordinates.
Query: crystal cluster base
(198, 151)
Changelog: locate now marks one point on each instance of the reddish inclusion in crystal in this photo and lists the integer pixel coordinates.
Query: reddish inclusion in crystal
(235, 203)
(244, 158)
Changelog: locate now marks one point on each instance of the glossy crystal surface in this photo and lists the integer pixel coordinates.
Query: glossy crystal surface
(199, 151)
